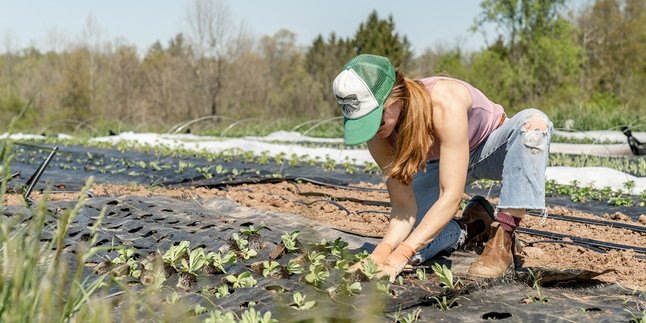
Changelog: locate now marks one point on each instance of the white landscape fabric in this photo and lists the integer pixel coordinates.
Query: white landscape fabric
(291, 143)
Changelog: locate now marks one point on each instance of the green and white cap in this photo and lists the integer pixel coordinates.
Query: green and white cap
(361, 90)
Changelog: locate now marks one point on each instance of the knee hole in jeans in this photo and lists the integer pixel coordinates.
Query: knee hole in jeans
(534, 131)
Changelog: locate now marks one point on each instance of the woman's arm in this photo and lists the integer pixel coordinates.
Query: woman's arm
(402, 199)
(451, 102)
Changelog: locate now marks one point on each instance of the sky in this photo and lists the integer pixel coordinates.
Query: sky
(49, 24)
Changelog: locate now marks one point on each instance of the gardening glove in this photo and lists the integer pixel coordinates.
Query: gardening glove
(379, 255)
(396, 262)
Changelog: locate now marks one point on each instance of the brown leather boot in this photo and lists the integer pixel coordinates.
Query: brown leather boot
(477, 218)
(497, 256)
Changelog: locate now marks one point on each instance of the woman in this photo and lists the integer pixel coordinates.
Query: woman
(431, 137)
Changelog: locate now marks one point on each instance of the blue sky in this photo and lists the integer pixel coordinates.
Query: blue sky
(142, 22)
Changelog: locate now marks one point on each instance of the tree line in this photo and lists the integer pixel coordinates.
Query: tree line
(587, 65)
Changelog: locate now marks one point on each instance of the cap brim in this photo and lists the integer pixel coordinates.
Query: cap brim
(360, 130)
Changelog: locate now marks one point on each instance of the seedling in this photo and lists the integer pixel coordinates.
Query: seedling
(199, 309)
(294, 267)
(220, 317)
(443, 304)
(384, 288)
(421, 274)
(317, 275)
(243, 280)
(411, 317)
(196, 261)
(300, 303)
(220, 261)
(175, 253)
(338, 248)
(289, 240)
(126, 256)
(370, 268)
(445, 275)
(249, 231)
(252, 316)
(222, 291)
(315, 257)
(270, 267)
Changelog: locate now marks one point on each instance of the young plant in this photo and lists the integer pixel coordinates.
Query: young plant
(350, 288)
(220, 317)
(188, 275)
(249, 231)
(300, 303)
(445, 275)
(421, 274)
(126, 257)
(243, 280)
(270, 267)
(315, 257)
(293, 267)
(252, 316)
(411, 317)
(338, 248)
(219, 261)
(443, 304)
(243, 247)
(290, 242)
(173, 255)
(317, 276)
(370, 268)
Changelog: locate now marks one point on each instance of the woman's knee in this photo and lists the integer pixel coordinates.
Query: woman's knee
(536, 130)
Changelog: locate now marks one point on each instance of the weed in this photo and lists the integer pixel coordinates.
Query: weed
(538, 298)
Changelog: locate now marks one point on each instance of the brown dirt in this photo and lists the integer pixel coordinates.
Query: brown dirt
(350, 215)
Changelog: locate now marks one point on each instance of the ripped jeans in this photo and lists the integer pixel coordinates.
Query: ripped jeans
(512, 153)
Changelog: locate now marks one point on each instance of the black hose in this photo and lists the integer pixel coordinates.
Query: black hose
(591, 242)
(593, 221)
(31, 182)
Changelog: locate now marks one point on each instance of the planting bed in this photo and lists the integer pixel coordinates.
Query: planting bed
(590, 258)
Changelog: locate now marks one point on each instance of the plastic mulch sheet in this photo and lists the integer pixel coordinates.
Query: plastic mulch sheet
(149, 224)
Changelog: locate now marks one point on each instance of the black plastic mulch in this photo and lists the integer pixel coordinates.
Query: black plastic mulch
(148, 224)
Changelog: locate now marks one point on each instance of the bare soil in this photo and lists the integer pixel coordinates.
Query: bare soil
(349, 210)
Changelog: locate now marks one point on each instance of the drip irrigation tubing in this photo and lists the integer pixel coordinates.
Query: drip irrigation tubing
(593, 248)
(618, 225)
(346, 187)
(591, 242)
(611, 224)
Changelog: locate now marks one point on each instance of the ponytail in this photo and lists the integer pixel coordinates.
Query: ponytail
(414, 131)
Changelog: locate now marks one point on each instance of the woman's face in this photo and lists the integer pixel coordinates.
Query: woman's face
(389, 119)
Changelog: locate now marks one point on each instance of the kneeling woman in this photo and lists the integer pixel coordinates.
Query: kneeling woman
(431, 137)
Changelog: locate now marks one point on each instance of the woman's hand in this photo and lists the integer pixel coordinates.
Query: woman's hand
(396, 262)
(378, 256)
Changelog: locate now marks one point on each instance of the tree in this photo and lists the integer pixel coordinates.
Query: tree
(377, 36)
(540, 44)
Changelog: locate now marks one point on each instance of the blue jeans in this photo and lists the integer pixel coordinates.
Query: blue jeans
(511, 153)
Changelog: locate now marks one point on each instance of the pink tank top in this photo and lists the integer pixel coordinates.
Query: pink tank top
(483, 116)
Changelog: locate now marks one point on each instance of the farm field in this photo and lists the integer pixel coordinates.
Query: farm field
(259, 227)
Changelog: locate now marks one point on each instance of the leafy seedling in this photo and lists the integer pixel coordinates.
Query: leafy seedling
(245, 279)
(300, 304)
(189, 269)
